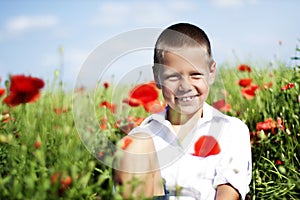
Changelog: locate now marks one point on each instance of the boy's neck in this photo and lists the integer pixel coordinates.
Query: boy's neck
(178, 119)
(183, 124)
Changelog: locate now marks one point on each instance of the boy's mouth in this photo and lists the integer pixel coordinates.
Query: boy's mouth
(186, 99)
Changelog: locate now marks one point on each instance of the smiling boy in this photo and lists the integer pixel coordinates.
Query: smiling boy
(198, 152)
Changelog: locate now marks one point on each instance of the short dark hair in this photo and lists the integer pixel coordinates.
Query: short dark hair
(180, 35)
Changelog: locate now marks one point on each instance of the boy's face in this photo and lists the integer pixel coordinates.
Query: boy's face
(185, 79)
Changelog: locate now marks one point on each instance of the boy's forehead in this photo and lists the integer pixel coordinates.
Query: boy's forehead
(188, 51)
(194, 56)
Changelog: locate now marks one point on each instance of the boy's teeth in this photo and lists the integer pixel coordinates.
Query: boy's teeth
(186, 99)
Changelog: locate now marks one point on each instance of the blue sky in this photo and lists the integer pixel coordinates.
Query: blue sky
(31, 32)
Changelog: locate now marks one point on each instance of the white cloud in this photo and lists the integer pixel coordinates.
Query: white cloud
(232, 3)
(141, 12)
(74, 58)
(181, 6)
(227, 3)
(21, 24)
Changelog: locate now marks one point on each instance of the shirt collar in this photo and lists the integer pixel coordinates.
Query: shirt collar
(209, 113)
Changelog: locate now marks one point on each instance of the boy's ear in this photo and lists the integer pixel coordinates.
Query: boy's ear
(212, 73)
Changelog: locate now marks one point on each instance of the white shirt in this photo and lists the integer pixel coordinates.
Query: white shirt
(198, 177)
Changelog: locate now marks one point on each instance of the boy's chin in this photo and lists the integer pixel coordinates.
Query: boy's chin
(188, 110)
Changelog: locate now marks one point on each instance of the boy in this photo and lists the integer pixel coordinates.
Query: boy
(190, 150)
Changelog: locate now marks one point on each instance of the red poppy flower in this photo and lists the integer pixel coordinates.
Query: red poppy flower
(65, 182)
(279, 123)
(110, 106)
(37, 144)
(106, 85)
(132, 102)
(267, 85)
(221, 105)
(23, 89)
(80, 89)
(5, 117)
(206, 146)
(270, 125)
(126, 143)
(104, 120)
(131, 122)
(249, 92)
(245, 82)
(244, 67)
(103, 126)
(60, 110)
(279, 162)
(2, 91)
(144, 93)
(54, 178)
(287, 86)
(138, 120)
(266, 125)
(147, 96)
(100, 154)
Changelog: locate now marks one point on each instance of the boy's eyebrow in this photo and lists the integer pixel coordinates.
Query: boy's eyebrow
(197, 71)
(169, 69)
(171, 73)
(167, 74)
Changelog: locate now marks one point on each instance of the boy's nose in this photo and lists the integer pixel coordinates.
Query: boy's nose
(184, 84)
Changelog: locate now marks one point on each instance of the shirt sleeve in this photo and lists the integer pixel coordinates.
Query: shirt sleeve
(235, 167)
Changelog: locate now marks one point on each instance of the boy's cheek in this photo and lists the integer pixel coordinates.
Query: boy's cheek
(205, 83)
(167, 92)
(170, 88)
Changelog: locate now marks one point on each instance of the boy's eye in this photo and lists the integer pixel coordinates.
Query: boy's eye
(173, 77)
(196, 75)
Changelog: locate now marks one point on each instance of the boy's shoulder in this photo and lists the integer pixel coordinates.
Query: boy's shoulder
(233, 121)
(210, 113)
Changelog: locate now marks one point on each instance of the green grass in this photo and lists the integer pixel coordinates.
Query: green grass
(26, 171)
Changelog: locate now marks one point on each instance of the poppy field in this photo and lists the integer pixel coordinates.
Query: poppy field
(42, 155)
